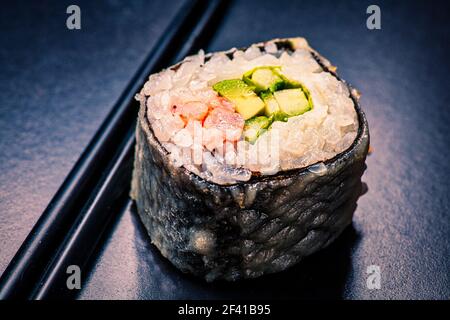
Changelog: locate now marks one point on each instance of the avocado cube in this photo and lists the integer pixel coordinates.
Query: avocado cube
(287, 83)
(263, 79)
(247, 103)
(293, 102)
(272, 108)
(254, 127)
(271, 103)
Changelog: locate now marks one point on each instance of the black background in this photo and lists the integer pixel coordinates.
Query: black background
(57, 85)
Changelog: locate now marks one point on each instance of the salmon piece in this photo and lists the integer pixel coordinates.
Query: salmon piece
(229, 123)
(221, 102)
(193, 110)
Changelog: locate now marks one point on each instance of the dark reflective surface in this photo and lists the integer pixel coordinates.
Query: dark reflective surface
(56, 87)
(402, 224)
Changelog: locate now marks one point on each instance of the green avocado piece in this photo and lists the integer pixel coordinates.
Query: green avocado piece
(293, 102)
(254, 127)
(272, 108)
(288, 83)
(263, 79)
(247, 103)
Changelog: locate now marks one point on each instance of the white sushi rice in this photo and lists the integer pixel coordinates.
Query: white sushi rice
(313, 137)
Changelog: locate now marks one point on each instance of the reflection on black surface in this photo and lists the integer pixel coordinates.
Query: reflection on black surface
(322, 275)
(402, 224)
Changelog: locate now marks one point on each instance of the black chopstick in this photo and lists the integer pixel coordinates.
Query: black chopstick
(69, 219)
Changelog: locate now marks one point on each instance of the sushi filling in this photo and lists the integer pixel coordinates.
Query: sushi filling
(258, 111)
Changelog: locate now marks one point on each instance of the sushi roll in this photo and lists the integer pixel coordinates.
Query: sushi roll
(247, 160)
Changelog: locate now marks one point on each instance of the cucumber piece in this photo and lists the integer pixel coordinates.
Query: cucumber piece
(292, 102)
(272, 108)
(264, 79)
(254, 127)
